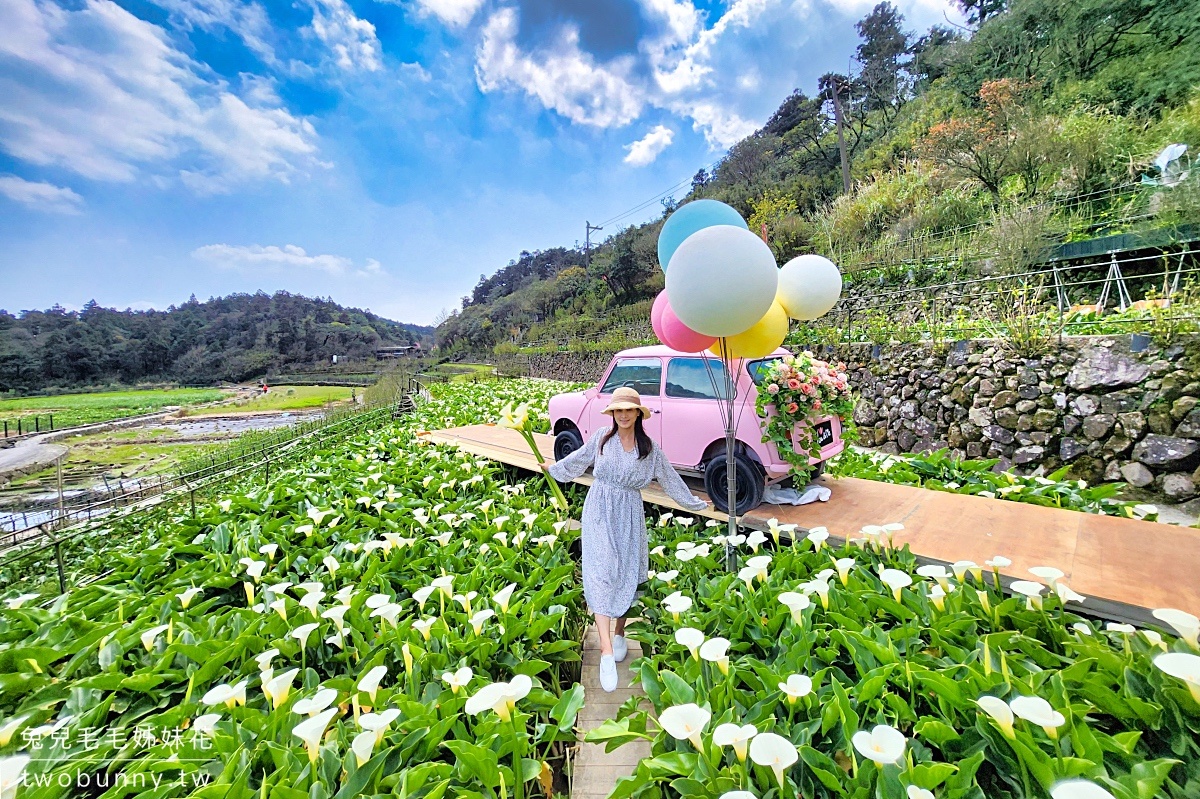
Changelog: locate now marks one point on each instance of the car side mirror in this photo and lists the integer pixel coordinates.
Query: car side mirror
(592, 392)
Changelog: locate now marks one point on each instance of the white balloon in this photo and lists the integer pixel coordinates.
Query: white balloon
(809, 286)
(721, 280)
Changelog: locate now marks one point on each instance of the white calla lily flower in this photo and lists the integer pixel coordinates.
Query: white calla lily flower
(362, 746)
(12, 774)
(896, 580)
(377, 723)
(1185, 624)
(369, 684)
(479, 618)
(500, 697)
(844, 565)
(302, 633)
(186, 597)
(278, 687)
(312, 731)
(677, 603)
(1038, 711)
(736, 735)
(458, 679)
(714, 650)
(796, 687)
(1030, 590)
(206, 724)
(685, 723)
(225, 694)
(936, 572)
(775, 752)
(796, 604)
(883, 744)
(311, 706)
(1048, 573)
(1181, 666)
(1000, 712)
(914, 792)
(1078, 789)
(423, 626)
(503, 596)
(692, 638)
(150, 637)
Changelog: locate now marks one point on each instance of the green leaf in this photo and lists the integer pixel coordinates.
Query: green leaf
(567, 708)
(677, 689)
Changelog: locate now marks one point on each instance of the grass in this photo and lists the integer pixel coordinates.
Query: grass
(463, 372)
(284, 398)
(76, 409)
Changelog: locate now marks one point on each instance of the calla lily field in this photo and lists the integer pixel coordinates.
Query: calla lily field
(387, 617)
(860, 674)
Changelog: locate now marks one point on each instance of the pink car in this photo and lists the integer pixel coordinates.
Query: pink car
(685, 421)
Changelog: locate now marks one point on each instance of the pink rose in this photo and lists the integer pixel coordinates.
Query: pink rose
(816, 405)
(792, 407)
(773, 388)
(793, 384)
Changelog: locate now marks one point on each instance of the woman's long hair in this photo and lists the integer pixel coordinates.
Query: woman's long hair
(644, 444)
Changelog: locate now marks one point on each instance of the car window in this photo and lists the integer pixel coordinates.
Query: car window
(758, 369)
(689, 378)
(641, 374)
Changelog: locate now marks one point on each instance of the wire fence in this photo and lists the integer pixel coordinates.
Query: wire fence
(33, 519)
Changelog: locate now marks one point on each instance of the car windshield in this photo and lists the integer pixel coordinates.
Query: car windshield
(758, 369)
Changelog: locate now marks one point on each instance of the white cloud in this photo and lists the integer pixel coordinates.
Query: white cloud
(456, 13)
(105, 94)
(40, 196)
(274, 258)
(248, 21)
(562, 76)
(351, 40)
(646, 149)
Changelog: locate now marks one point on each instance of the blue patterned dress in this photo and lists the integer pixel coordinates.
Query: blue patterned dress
(615, 553)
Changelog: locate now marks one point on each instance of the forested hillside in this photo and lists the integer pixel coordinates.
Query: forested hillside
(1034, 127)
(229, 338)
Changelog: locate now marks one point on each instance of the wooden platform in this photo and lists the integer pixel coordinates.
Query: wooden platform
(1124, 567)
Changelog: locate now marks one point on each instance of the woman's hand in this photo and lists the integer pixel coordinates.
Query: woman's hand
(545, 466)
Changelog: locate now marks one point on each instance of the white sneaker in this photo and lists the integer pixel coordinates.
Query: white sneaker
(620, 648)
(608, 673)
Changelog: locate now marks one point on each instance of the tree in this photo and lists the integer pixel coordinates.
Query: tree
(979, 11)
(884, 44)
(699, 180)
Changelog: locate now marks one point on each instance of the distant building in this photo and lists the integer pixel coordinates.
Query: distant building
(398, 352)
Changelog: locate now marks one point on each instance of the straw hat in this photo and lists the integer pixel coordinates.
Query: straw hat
(627, 398)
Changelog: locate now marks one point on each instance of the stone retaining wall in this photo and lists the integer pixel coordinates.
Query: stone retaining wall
(1108, 413)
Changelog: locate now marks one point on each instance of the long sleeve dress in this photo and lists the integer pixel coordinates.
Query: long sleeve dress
(615, 553)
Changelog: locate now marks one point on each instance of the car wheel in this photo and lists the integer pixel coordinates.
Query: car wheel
(750, 483)
(816, 471)
(567, 442)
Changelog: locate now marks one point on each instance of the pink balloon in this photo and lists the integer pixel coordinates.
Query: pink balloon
(674, 333)
(656, 311)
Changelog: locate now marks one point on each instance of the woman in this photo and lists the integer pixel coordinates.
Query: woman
(615, 556)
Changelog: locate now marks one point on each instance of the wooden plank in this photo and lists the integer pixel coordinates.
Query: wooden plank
(1123, 566)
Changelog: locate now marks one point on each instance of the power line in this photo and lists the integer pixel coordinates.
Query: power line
(646, 204)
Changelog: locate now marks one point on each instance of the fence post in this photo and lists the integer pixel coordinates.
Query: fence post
(62, 578)
(51, 422)
(37, 423)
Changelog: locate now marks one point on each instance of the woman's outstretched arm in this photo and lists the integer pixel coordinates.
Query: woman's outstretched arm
(673, 484)
(575, 464)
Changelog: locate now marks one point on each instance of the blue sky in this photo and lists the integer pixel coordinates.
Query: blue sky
(382, 152)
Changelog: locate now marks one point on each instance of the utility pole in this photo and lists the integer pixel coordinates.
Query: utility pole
(837, 116)
(587, 242)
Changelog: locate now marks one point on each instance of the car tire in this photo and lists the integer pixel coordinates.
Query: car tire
(750, 483)
(817, 471)
(567, 442)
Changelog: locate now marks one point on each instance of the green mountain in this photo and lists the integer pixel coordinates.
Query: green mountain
(236, 338)
(961, 148)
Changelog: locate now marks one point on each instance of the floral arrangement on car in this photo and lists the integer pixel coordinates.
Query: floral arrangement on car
(801, 389)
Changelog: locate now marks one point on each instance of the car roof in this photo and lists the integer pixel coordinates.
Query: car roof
(659, 350)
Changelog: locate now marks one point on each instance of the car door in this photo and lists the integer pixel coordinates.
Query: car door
(642, 374)
(691, 414)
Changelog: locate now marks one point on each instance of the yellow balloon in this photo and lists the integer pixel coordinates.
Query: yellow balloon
(761, 339)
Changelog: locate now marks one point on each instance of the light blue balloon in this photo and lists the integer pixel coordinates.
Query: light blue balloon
(687, 219)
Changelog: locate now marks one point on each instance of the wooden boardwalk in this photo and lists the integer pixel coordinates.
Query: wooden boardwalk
(1124, 567)
(595, 771)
